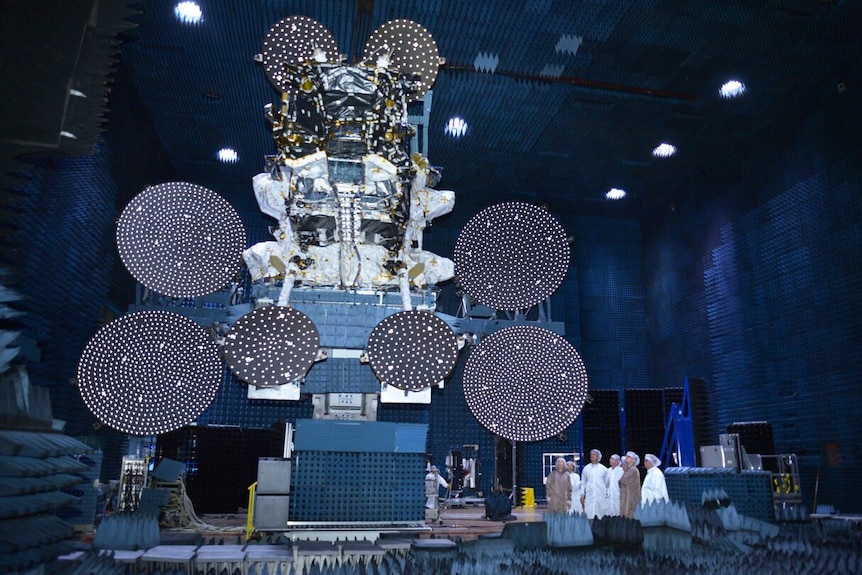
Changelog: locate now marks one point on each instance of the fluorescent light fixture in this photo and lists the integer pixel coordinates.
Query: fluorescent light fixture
(228, 155)
(664, 150)
(732, 89)
(456, 127)
(188, 13)
(615, 194)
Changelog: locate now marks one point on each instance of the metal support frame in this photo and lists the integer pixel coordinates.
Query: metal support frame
(679, 432)
(419, 141)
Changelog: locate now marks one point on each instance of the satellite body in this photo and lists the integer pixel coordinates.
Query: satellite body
(350, 201)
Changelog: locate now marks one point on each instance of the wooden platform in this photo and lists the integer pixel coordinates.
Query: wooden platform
(467, 523)
(464, 523)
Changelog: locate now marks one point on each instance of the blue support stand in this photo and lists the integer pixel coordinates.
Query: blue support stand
(679, 432)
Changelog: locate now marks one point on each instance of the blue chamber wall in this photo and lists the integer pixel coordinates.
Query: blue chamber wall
(757, 289)
(64, 256)
(604, 306)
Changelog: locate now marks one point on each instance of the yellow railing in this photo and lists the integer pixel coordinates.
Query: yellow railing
(249, 523)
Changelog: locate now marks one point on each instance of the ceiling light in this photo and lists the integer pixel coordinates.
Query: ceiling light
(228, 155)
(615, 194)
(732, 89)
(486, 62)
(569, 43)
(456, 127)
(188, 13)
(664, 150)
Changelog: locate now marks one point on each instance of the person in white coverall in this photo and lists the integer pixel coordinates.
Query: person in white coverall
(594, 486)
(615, 472)
(433, 482)
(575, 479)
(654, 487)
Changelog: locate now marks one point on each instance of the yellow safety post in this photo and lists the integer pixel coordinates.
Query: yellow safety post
(528, 498)
(249, 523)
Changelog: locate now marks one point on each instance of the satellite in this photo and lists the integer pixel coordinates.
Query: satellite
(351, 204)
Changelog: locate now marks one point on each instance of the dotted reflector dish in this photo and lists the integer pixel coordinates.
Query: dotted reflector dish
(271, 346)
(412, 350)
(149, 372)
(292, 41)
(412, 52)
(511, 256)
(525, 383)
(181, 239)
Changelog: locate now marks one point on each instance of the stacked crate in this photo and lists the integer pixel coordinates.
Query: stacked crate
(272, 496)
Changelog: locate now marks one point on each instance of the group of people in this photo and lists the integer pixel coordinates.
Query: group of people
(605, 491)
